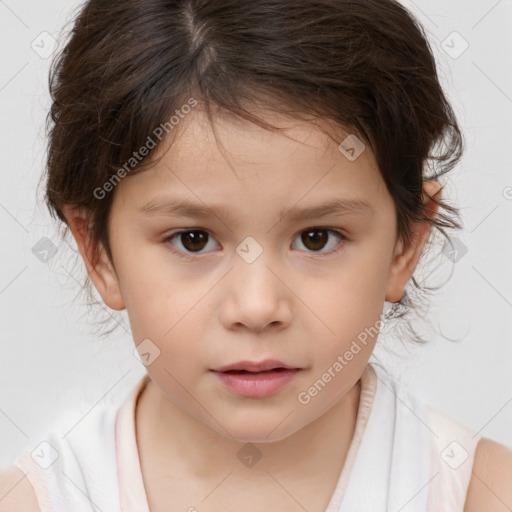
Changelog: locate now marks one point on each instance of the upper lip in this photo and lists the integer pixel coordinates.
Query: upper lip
(254, 366)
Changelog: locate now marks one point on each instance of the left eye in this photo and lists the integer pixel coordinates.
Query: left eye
(313, 239)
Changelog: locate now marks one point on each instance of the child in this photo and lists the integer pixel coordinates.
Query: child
(249, 129)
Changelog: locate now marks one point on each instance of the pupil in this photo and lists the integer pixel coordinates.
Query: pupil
(315, 239)
(193, 240)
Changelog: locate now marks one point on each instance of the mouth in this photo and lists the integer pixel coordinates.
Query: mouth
(256, 383)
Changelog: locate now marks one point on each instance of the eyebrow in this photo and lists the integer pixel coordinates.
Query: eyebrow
(186, 208)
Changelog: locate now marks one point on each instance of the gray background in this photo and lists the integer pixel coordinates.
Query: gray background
(51, 362)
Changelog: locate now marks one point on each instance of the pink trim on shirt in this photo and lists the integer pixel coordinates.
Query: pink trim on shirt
(32, 471)
(366, 396)
(132, 495)
(453, 447)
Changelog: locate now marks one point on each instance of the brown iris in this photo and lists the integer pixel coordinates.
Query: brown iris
(313, 240)
(194, 240)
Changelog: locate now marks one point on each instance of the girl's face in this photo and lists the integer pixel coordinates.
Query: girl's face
(220, 259)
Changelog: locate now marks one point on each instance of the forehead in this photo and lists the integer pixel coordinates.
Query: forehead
(295, 140)
(246, 163)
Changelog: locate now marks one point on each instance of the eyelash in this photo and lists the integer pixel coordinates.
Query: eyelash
(192, 256)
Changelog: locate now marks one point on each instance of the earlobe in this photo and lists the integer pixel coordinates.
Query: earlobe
(406, 256)
(101, 271)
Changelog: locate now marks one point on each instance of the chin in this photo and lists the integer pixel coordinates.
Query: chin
(263, 430)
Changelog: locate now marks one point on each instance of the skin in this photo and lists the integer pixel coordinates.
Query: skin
(214, 308)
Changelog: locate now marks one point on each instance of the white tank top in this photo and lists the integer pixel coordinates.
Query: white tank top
(404, 456)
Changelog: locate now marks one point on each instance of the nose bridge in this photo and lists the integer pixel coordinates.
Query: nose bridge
(251, 268)
(256, 295)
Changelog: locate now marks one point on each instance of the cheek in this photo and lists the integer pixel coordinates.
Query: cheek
(165, 311)
(347, 305)
(172, 326)
(147, 279)
(166, 307)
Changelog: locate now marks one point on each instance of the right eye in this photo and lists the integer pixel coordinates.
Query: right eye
(193, 240)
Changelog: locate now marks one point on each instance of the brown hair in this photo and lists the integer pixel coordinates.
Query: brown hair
(365, 65)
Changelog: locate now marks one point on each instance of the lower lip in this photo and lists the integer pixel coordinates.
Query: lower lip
(257, 385)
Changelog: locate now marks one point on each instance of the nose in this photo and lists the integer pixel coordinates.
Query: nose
(256, 297)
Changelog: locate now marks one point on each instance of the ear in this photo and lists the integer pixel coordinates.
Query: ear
(406, 256)
(102, 273)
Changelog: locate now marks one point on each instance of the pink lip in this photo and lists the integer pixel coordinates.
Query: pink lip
(258, 384)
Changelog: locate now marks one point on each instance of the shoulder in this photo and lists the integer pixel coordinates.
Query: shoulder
(490, 487)
(16, 492)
